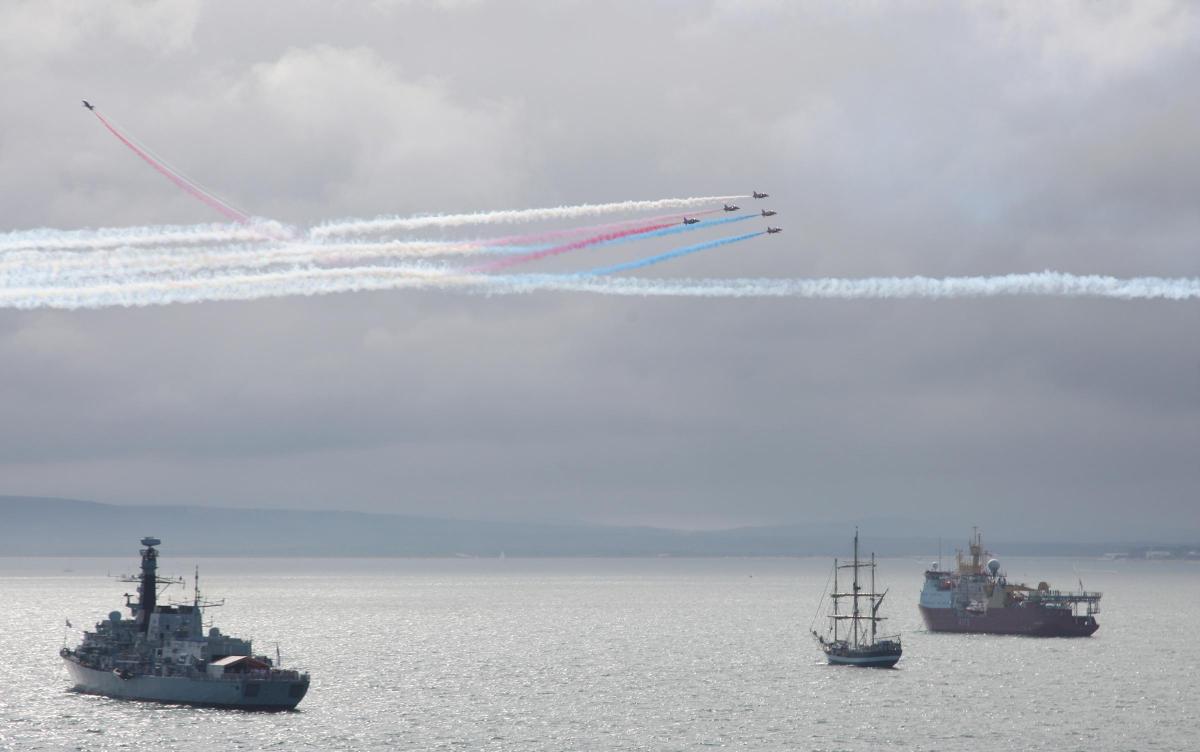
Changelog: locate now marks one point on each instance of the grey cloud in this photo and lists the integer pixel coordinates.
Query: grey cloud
(928, 139)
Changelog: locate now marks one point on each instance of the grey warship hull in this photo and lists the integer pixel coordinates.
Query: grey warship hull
(162, 654)
(248, 693)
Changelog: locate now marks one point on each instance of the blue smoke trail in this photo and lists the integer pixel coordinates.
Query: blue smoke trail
(651, 260)
(673, 230)
(676, 229)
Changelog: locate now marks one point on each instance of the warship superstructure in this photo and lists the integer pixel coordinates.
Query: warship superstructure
(849, 642)
(977, 597)
(161, 654)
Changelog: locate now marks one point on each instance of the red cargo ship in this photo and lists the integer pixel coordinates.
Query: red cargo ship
(979, 598)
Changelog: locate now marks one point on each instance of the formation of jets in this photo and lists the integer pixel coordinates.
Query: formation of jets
(767, 212)
(686, 220)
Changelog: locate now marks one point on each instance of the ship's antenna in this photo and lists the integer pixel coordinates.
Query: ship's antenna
(196, 587)
(939, 553)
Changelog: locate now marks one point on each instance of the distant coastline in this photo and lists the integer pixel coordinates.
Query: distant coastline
(40, 526)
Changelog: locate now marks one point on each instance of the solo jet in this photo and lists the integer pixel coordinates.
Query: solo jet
(690, 220)
(773, 230)
(88, 105)
(731, 207)
(756, 194)
(768, 213)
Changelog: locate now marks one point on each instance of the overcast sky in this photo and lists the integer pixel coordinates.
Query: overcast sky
(895, 138)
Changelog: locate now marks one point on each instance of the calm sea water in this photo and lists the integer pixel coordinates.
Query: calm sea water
(659, 654)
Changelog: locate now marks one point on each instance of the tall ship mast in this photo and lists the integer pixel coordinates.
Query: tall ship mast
(978, 597)
(161, 654)
(853, 639)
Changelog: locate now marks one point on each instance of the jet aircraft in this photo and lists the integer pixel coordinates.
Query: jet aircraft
(731, 207)
(756, 194)
(88, 105)
(690, 220)
(773, 230)
(768, 213)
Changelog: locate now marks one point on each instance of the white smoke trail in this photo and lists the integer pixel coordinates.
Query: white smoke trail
(320, 281)
(34, 269)
(1039, 284)
(130, 237)
(510, 216)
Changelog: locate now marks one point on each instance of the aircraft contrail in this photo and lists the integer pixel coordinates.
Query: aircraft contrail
(510, 216)
(46, 239)
(569, 232)
(614, 237)
(565, 247)
(651, 260)
(59, 269)
(322, 281)
(190, 187)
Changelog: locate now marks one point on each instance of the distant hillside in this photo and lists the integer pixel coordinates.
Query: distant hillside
(66, 527)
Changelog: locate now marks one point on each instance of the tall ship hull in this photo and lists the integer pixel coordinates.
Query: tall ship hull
(978, 598)
(162, 654)
(248, 693)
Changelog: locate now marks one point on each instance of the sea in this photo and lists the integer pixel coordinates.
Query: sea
(612, 654)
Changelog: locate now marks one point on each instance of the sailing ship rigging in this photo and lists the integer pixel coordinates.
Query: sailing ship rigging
(858, 642)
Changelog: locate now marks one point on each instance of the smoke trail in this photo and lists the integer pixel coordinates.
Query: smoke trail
(128, 237)
(544, 237)
(651, 260)
(63, 270)
(558, 249)
(510, 216)
(1040, 284)
(340, 280)
(191, 188)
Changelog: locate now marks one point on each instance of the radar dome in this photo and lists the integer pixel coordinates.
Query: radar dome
(114, 616)
(993, 566)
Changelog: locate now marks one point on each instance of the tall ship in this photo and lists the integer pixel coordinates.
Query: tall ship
(852, 638)
(162, 654)
(977, 597)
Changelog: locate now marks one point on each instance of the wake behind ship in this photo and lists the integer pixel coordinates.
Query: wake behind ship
(161, 654)
(973, 598)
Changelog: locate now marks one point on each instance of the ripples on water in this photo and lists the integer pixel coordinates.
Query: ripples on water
(613, 654)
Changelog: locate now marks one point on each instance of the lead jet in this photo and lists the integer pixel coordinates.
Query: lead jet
(88, 105)
(730, 207)
(773, 230)
(690, 220)
(768, 213)
(756, 194)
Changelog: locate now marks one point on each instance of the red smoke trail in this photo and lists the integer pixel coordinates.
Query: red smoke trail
(542, 237)
(192, 189)
(602, 238)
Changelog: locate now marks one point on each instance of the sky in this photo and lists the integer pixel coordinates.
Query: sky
(909, 138)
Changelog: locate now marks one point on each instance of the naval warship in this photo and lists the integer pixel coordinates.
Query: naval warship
(974, 597)
(161, 654)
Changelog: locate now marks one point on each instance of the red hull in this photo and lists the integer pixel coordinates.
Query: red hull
(1021, 620)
